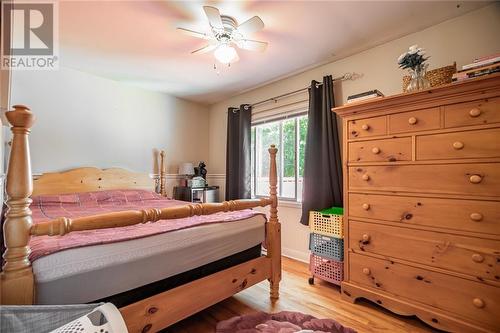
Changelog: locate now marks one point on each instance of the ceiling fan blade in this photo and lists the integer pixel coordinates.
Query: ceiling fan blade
(213, 16)
(251, 25)
(252, 45)
(205, 49)
(196, 34)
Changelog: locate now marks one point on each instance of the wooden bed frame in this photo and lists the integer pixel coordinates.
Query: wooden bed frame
(150, 314)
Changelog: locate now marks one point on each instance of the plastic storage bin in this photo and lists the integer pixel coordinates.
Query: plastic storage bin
(40, 318)
(326, 269)
(329, 222)
(327, 246)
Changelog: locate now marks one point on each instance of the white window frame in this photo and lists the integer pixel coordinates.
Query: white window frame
(295, 116)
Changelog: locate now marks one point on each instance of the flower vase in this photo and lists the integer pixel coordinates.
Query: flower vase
(418, 80)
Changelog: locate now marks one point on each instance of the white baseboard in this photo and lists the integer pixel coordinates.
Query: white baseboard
(295, 254)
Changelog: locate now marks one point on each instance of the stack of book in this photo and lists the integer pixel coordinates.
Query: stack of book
(364, 96)
(479, 67)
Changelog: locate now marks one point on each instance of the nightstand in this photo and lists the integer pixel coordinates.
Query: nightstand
(197, 194)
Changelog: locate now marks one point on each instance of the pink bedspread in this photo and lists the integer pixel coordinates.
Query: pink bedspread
(49, 207)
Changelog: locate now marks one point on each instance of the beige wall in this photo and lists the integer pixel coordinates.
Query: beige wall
(4, 105)
(85, 120)
(460, 39)
(5, 75)
(4, 88)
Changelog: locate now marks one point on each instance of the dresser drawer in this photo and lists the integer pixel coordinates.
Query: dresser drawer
(473, 300)
(386, 150)
(420, 120)
(467, 144)
(466, 215)
(474, 179)
(472, 113)
(468, 255)
(367, 127)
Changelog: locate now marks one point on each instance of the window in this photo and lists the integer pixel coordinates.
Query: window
(289, 133)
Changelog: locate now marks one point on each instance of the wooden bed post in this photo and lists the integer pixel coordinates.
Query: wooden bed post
(163, 190)
(17, 276)
(274, 228)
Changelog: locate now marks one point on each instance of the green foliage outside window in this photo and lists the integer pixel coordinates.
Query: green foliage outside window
(283, 134)
(302, 144)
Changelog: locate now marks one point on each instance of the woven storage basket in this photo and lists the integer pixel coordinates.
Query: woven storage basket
(329, 222)
(327, 246)
(437, 77)
(326, 269)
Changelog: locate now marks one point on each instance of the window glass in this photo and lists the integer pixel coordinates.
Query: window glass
(252, 159)
(289, 162)
(301, 146)
(266, 135)
(289, 133)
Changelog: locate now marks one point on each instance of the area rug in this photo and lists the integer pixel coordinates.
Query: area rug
(282, 322)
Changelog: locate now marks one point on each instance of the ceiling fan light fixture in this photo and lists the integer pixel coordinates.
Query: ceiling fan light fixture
(226, 35)
(225, 54)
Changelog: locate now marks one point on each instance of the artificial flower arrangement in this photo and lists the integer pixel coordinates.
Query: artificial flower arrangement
(414, 60)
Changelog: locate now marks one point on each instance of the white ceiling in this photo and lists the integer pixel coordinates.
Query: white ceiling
(136, 41)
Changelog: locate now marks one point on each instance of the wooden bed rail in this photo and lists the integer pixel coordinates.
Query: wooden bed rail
(64, 225)
(17, 283)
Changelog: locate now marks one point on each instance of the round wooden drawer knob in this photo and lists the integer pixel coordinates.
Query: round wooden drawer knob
(365, 177)
(366, 271)
(365, 127)
(476, 216)
(375, 150)
(478, 303)
(365, 237)
(412, 120)
(475, 179)
(458, 145)
(476, 257)
(366, 206)
(475, 112)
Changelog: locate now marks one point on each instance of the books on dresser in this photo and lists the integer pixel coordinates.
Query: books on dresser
(364, 96)
(479, 67)
(483, 61)
(476, 72)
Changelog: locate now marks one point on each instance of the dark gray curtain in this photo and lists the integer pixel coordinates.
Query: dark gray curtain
(238, 165)
(322, 166)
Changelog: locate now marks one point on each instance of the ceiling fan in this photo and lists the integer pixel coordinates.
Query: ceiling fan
(225, 33)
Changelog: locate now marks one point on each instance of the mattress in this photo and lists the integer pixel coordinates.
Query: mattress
(85, 274)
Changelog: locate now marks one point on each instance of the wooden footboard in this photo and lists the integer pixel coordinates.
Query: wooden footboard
(156, 312)
(169, 307)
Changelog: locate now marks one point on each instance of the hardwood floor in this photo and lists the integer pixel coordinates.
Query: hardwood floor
(321, 300)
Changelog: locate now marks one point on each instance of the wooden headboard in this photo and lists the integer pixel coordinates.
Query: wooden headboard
(91, 179)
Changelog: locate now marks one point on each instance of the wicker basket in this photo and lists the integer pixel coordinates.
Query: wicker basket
(437, 77)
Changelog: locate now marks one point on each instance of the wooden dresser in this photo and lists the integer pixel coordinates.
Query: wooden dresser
(422, 201)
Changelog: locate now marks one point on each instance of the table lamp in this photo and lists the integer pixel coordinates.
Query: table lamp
(186, 170)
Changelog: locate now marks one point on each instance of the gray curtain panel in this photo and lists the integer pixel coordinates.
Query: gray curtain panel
(322, 166)
(238, 165)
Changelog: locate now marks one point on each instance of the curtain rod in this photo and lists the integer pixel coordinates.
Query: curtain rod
(346, 76)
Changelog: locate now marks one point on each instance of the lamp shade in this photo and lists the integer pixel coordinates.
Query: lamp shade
(186, 169)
